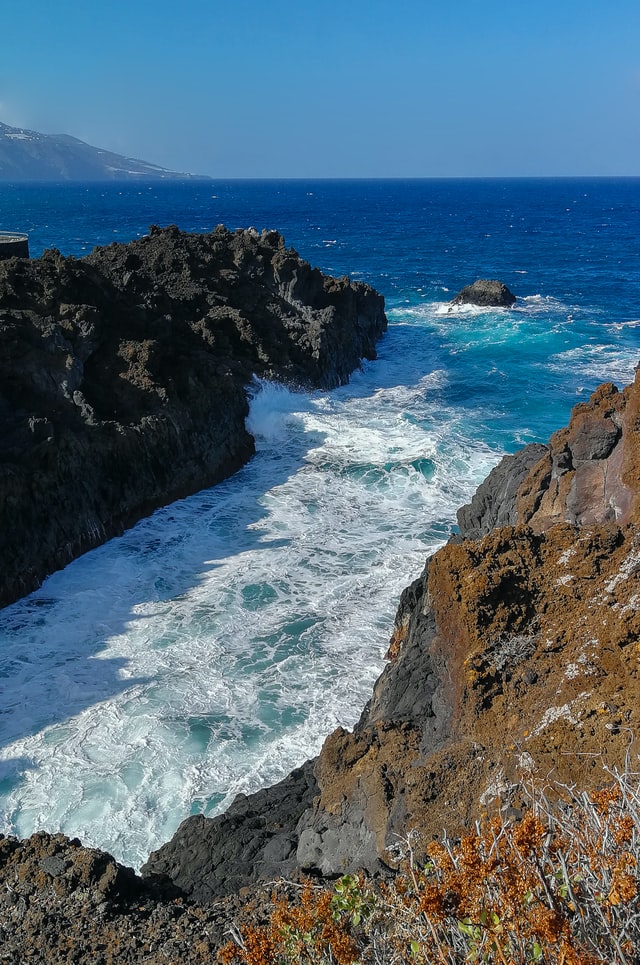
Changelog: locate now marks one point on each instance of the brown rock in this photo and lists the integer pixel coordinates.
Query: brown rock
(507, 656)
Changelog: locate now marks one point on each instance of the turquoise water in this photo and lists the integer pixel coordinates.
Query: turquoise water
(213, 646)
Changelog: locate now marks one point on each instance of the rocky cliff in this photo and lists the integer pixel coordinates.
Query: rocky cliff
(514, 657)
(123, 374)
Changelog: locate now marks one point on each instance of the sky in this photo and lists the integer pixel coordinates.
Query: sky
(333, 88)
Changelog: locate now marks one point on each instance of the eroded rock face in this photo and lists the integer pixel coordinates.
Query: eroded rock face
(485, 292)
(122, 377)
(255, 839)
(514, 654)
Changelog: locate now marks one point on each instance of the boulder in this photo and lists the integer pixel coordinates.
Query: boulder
(486, 293)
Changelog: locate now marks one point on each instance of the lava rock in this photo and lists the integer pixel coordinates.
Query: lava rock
(486, 293)
(123, 377)
(494, 501)
(255, 839)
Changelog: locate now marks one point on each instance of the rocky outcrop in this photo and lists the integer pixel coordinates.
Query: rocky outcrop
(254, 840)
(122, 377)
(487, 293)
(514, 657)
(62, 903)
(494, 502)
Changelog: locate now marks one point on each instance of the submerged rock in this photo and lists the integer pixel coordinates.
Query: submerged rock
(485, 292)
(122, 377)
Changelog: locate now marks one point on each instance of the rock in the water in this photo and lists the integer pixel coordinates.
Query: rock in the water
(122, 377)
(485, 292)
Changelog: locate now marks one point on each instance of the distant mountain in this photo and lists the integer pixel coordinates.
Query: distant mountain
(31, 156)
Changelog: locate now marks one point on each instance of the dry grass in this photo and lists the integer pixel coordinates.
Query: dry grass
(558, 887)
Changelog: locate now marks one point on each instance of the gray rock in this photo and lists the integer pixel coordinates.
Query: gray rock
(54, 865)
(255, 839)
(494, 502)
(596, 441)
(485, 292)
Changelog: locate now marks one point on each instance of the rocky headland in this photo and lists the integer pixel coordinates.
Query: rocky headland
(123, 377)
(513, 661)
(32, 156)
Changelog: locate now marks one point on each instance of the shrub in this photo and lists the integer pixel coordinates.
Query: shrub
(558, 887)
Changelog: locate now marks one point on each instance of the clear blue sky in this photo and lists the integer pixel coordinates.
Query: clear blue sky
(334, 88)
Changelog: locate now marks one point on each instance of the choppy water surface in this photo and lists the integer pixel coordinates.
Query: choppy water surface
(214, 645)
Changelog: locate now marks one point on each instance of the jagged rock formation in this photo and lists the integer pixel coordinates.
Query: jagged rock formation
(62, 903)
(31, 156)
(122, 377)
(485, 292)
(514, 655)
(254, 840)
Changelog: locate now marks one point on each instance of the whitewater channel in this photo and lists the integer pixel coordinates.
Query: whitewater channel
(213, 647)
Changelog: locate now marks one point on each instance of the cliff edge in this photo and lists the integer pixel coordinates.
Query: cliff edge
(514, 657)
(123, 374)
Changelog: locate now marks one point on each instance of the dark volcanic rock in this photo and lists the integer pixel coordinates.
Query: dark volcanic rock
(122, 377)
(494, 502)
(63, 903)
(485, 292)
(255, 839)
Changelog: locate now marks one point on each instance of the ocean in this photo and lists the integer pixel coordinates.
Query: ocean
(214, 645)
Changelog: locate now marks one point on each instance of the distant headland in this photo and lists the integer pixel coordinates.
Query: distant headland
(31, 156)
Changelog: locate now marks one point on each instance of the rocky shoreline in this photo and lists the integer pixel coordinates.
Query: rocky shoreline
(513, 655)
(514, 659)
(123, 375)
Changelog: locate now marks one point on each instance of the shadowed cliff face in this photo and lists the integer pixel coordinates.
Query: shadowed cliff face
(122, 377)
(515, 656)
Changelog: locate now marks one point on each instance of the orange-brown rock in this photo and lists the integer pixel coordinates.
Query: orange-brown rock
(515, 657)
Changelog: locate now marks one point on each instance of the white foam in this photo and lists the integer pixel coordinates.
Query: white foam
(599, 362)
(211, 648)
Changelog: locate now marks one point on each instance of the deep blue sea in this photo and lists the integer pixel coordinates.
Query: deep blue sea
(212, 647)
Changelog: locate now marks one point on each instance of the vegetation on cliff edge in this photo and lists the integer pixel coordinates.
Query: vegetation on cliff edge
(557, 886)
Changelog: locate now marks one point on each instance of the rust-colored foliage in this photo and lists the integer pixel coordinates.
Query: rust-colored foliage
(559, 887)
